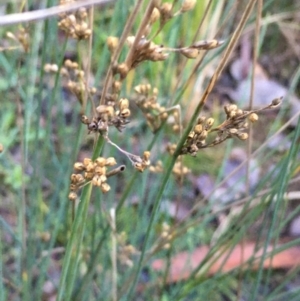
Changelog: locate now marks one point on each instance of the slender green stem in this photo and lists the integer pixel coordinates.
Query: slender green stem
(70, 264)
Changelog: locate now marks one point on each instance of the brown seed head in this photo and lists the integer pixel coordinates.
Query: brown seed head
(146, 155)
(166, 9)
(243, 136)
(123, 70)
(117, 86)
(190, 53)
(73, 178)
(100, 161)
(209, 122)
(276, 102)
(188, 5)
(82, 13)
(154, 16)
(198, 128)
(72, 196)
(125, 113)
(111, 161)
(105, 187)
(201, 120)
(123, 103)
(112, 43)
(86, 161)
(253, 117)
(79, 166)
(88, 175)
(84, 119)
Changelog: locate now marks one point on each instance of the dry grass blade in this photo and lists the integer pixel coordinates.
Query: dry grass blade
(48, 12)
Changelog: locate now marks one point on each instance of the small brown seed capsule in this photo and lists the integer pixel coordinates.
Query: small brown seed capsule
(190, 53)
(90, 167)
(209, 122)
(111, 161)
(198, 128)
(203, 135)
(276, 101)
(105, 187)
(79, 178)
(112, 43)
(84, 119)
(68, 63)
(123, 103)
(123, 70)
(86, 161)
(242, 136)
(166, 9)
(72, 196)
(253, 117)
(233, 107)
(100, 161)
(239, 112)
(73, 178)
(176, 128)
(233, 131)
(201, 120)
(102, 109)
(154, 15)
(188, 5)
(79, 166)
(100, 170)
(191, 135)
(164, 116)
(96, 181)
(125, 113)
(146, 155)
(88, 175)
(117, 86)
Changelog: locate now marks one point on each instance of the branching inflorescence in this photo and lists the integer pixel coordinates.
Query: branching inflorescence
(114, 109)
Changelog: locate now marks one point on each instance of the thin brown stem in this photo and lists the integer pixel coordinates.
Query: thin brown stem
(118, 50)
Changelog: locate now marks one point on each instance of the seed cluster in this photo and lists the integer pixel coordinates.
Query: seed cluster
(125, 251)
(179, 170)
(154, 113)
(108, 115)
(157, 168)
(235, 125)
(90, 171)
(75, 24)
(146, 50)
(166, 235)
(21, 37)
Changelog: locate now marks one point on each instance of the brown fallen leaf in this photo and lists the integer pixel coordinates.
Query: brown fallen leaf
(184, 263)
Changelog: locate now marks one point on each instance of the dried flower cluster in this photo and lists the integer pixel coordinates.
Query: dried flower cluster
(125, 251)
(90, 171)
(21, 37)
(179, 170)
(108, 115)
(157, 168)
(235, 125)
(75, 79)
(166, 236)
(75, 24)
(153, 112)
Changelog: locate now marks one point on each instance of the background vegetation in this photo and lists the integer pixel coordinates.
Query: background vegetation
(110, 250)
